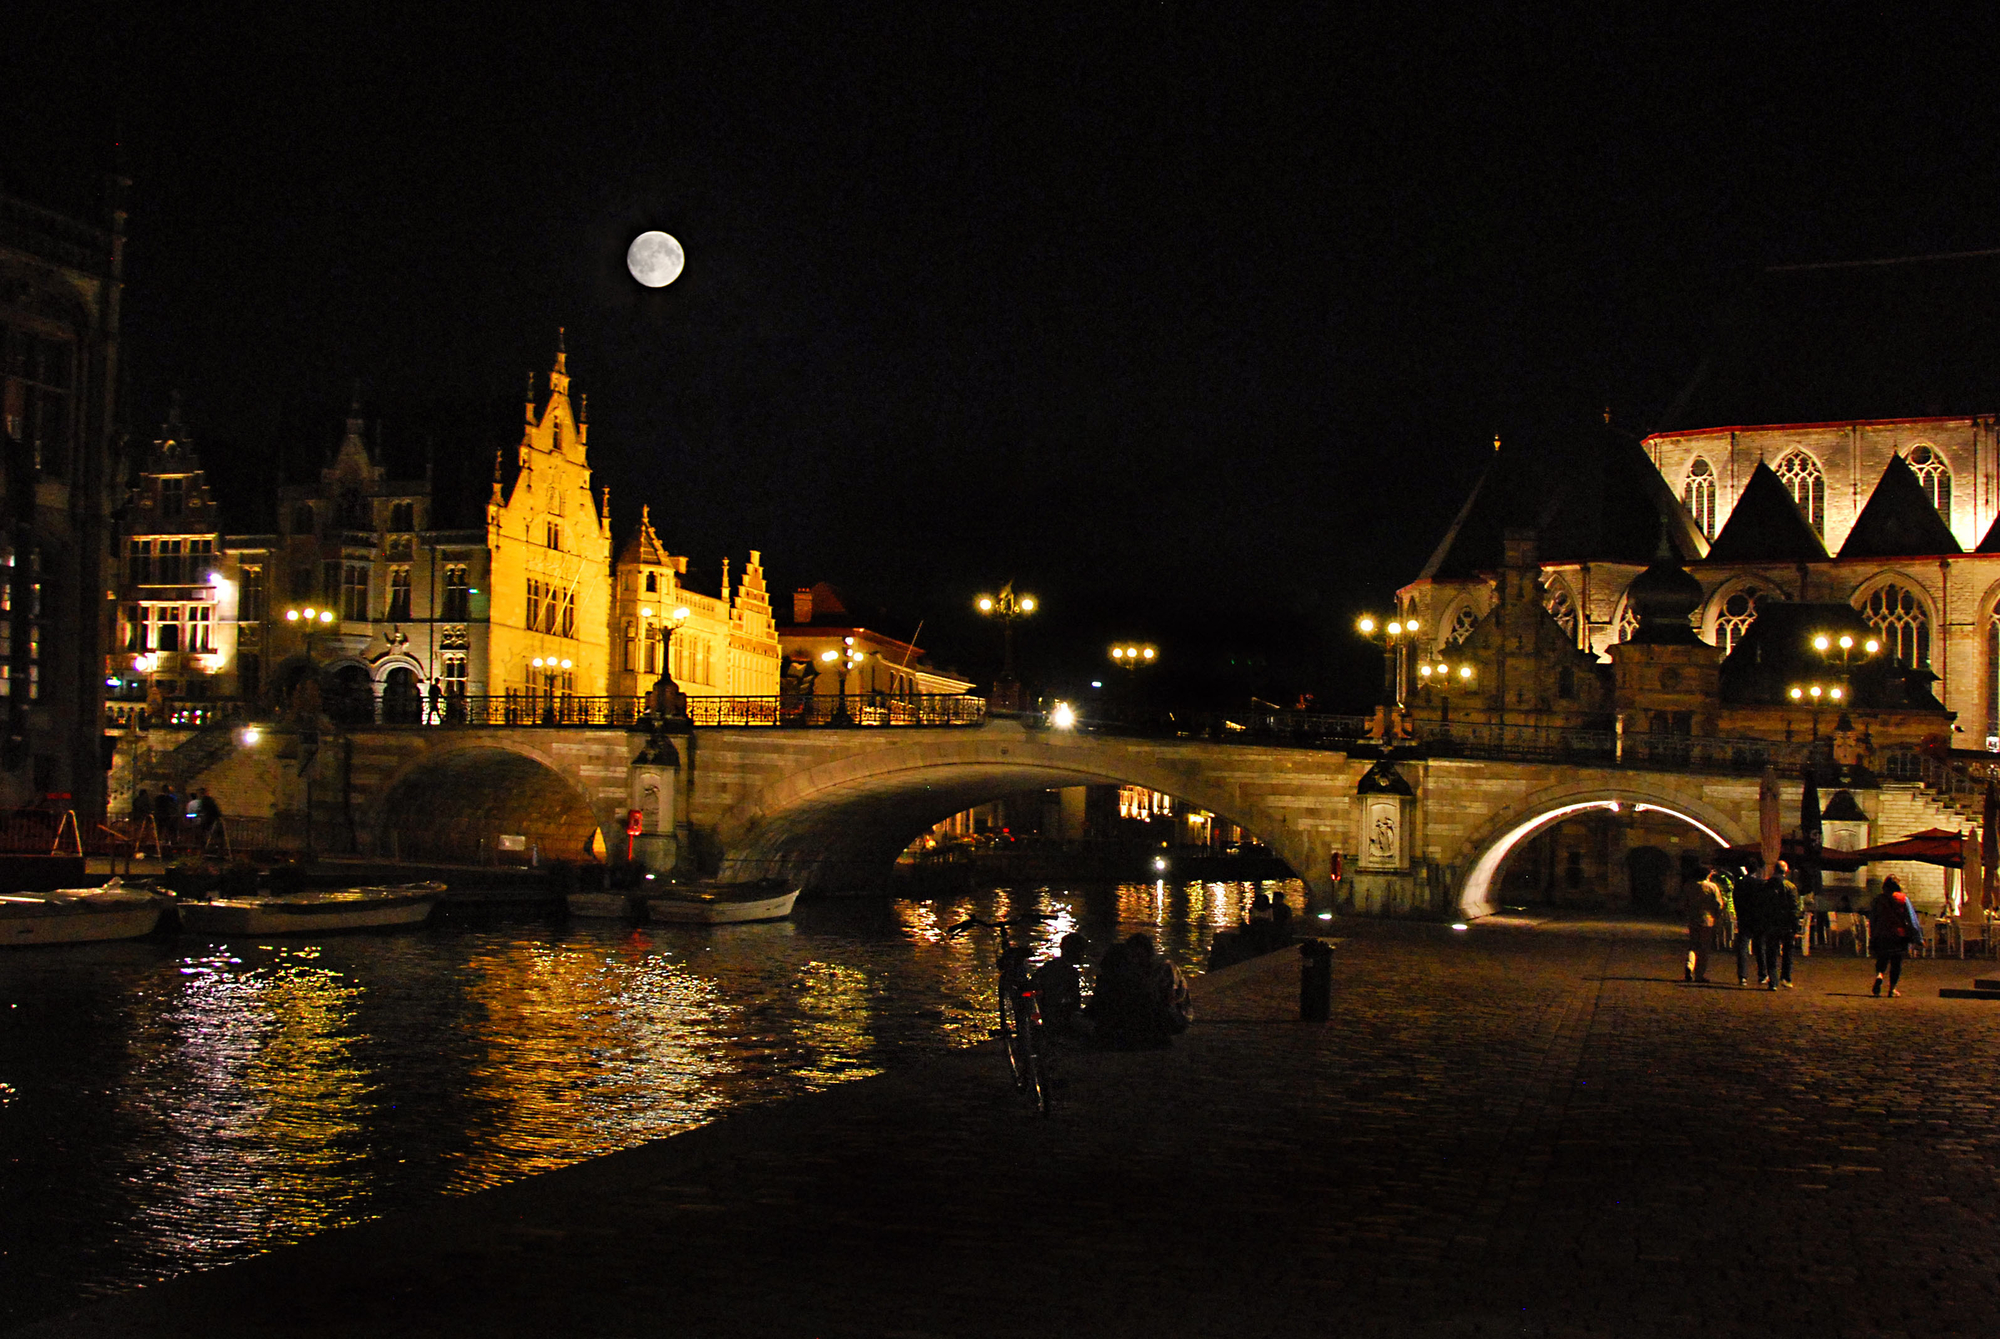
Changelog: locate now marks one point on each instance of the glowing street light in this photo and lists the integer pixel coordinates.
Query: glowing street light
(1398, 636)
(847, 655)
(1008, 608)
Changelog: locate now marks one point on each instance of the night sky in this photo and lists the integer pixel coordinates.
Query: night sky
(1196, 320)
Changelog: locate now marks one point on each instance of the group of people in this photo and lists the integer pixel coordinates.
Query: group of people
(169, 811)
(1139, 998)
(1765, 918)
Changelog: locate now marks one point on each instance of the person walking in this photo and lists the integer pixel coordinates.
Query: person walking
(1729, 931)
(1781, 912)
(1892, 929)
(207, 813)
(167, 815)
(1702, 905)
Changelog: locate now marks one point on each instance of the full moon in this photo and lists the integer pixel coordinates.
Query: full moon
(655, 259)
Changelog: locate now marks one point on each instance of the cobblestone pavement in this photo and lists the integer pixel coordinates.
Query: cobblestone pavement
(1513, 1130)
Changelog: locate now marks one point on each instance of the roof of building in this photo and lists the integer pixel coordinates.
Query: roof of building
(1589, 496)
(1766, 525)
(1835, 343)
(1899, 520)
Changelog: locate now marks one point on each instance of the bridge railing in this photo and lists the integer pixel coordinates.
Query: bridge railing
(1596, 748)
(569, 709)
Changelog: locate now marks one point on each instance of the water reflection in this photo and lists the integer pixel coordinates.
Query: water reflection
(166, 1108)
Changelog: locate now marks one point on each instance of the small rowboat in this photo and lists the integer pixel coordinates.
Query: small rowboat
(721, 903)
(314, 913)
(79, 915)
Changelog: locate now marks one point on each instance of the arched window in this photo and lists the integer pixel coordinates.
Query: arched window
(1899, 616)
(1555, 599)
(1628, 621)
(1698, 496)
(1738, 612)
(1800, 475)
(1462, 625)
(1935, 476)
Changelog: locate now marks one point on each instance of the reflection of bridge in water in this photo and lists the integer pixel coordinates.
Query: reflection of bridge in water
(832, 804)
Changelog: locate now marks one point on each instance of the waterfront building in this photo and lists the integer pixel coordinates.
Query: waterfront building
(823, 630)
(549, 544)
(406, 599)
(725, 645)
(61, 286)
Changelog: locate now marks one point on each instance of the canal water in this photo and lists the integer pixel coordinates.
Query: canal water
(175, 1104)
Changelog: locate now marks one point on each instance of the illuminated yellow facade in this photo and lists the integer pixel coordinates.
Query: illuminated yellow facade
(726, 646)
(549, 541)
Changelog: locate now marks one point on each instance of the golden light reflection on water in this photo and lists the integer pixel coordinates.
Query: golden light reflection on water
(258, 1093)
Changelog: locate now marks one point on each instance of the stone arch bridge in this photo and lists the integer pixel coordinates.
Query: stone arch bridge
(833, 807)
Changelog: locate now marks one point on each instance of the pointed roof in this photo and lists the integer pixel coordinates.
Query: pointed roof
(1899, 520)
(1766, 526)
(644, 546)
(1590, 495)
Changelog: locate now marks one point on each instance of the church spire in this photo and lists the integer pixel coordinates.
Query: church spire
(559, 376)
(531, 397)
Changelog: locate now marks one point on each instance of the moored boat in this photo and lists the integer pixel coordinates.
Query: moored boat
(79, 915)
(721, 903)
(315, 912)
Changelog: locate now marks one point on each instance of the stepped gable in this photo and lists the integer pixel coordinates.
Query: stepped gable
(1589, 496)
(1766, 525)
(1899, 520)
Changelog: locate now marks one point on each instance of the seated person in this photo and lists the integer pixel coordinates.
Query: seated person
(1059, 984)
(1141, 999)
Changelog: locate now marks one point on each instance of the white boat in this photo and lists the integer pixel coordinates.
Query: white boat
(79, 915)
(315, 912)
(721, 903)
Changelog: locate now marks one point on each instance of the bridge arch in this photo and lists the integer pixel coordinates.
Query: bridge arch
(1485, 854)
(840, 824)
(450, 800)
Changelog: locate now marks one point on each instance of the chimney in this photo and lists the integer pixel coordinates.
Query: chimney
(802, 605)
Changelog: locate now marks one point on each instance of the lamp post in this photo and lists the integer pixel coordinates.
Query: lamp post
(1815, 696)
(1396, 637)
(312, 620)
(1446, 678)
(551, 668)
(847, 657)
(1008, 608)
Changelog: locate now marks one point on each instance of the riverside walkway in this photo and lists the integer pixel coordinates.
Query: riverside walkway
(1517, 1129)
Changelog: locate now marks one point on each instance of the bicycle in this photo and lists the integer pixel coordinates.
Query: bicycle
(1022, 1034)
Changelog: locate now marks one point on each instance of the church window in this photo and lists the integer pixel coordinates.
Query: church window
(1899, 616)
(1935, 476)
(1800, 475)
(1561, 608)
(1628, 621)
(1698, 496)
(1738, 612)
(399, 594)
(1462, 625)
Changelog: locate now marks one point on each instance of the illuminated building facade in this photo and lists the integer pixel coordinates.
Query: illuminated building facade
(725, 646)
(61, 285)
(549, 545)
(823, 630)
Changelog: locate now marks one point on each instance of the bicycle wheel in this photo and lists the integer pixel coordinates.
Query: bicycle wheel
(1034, 1075)
(1010, 1038)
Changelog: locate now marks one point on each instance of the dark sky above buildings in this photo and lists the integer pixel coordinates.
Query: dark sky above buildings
(1198, 320)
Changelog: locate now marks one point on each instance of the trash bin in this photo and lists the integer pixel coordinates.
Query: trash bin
(1315, 981)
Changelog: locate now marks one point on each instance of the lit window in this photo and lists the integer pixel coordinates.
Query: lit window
(1899, 616)
(1698, 496)
(1935, 476)
(1801, 476)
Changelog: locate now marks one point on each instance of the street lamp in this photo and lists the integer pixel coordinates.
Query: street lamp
(1130, 656)
(1817, 695)
(1397, 636)
(1843, 643)
(847, 657)
(311, 620)
(1007, 607)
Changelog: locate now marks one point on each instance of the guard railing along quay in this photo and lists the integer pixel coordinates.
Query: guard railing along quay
(577, 712)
